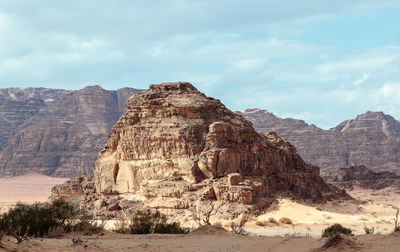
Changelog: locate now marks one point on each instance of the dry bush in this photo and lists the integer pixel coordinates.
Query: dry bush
(1, 238)
(272, 220)
(336, 229)
(285, 220)
(89, 227)
(237, 227)
(24, 221)
(202, 215)
(368, 230)
(149, 222)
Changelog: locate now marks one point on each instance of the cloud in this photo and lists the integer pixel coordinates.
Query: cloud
(363, 79)
(246, 53)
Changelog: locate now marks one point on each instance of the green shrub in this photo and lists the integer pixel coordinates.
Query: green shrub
(148, 222)
(335, 229)
(285, 220)
(24, 220)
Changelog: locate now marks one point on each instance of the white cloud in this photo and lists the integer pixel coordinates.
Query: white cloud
(363, 79)
(362, 64)
(391, 91)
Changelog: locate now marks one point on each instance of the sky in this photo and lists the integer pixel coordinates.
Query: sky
(317, 60)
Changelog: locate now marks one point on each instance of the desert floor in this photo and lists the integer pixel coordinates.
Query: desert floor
(27, 189)
(377, 210)
(204, 241)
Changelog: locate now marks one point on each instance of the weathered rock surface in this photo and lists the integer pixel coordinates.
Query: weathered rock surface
(62, 139)
(174, 145)
(372, 139)
(19, 104)
(363, 177)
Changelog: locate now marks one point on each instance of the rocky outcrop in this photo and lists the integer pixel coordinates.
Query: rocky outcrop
(63, 137)
(372, 139)
(363, 177)
(174, 145)
(19, 104)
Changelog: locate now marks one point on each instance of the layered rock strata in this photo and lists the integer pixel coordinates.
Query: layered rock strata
(19, 104)
(63, 136)
(363, 177)
(371, 139)
(174, 146)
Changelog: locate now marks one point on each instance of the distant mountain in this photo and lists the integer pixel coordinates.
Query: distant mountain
(19, 104)
(363, 177)
(371, 139)
(60, 132)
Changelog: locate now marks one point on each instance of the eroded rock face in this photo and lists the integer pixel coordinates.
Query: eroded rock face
(371, 139)
(19, 104)
(63, 137)
(363, 177)
(174, 145)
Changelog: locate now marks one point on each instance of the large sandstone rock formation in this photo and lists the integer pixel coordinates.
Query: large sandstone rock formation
(173, 144)
(62, 137)
(363, 177)
(372, 139)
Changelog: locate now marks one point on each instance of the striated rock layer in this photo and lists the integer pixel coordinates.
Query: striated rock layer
(19, 104)
(371, 139)
(174, 145)
(363, 177)
(63, 134)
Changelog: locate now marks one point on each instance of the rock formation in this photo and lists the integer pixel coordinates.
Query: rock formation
(173, 145)
(372, 139)
(363, 177)
(62, 137)
(19, 104)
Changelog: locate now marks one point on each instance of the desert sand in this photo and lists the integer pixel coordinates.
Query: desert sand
(28, 188)
(377, 210)
(204, 241)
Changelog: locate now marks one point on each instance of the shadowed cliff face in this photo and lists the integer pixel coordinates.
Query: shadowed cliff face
(19, 104)
(372, 139)
(172, 138)
(63, 138)
(363, 177)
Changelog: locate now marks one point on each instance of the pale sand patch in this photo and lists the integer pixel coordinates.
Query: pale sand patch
(28, 188)
(312, 220)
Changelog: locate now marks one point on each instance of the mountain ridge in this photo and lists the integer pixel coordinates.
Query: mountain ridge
(371, 139)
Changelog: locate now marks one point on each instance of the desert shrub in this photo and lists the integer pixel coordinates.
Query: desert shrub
(285, 220)
(88, 227)
(25, 221)
(272, 220)
(122, 227)
(203, 215)
(368, 230)
(335, 229)
(237, 227)
(396, 222)
(148, 222)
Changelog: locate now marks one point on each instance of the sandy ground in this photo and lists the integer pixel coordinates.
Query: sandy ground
(27, 189)
(203, 242)
(378, 211)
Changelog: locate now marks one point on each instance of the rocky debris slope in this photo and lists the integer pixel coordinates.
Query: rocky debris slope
(372, 139)
(62, 139)
(19, 104)
(363, 177)
(174, 146)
